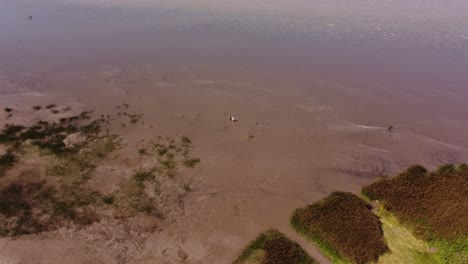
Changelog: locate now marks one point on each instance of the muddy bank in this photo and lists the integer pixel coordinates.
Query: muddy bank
(286, 150)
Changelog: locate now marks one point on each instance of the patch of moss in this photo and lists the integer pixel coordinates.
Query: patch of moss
(186, 141)
(142, 176)
(191, 162)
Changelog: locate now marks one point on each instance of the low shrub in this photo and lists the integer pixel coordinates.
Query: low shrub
(272, 247)
(435, 204)
(343, 226)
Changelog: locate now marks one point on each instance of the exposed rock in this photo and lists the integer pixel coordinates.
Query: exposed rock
(73, 140)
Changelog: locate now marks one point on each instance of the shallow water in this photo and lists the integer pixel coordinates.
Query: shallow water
(317, 81)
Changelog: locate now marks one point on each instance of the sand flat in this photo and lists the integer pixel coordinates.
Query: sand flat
(314, 86)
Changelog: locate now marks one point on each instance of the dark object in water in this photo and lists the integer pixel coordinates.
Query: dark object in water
(30, 18)
(390, 128)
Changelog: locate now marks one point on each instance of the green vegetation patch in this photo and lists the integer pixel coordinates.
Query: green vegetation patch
(58, 192)
(170, 153)
(29, 206)
(272, 247)
(403, 246)
(138, 194)
(344, 227)
(435, 204)
(191, 162)
(54, 194)
(51, 136)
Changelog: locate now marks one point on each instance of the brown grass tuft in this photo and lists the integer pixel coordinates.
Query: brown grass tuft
(272, 247)
(343, 226)
(434, 203)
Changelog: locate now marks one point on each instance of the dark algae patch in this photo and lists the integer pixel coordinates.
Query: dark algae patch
(343, 226)
(272, 247)
(434, 205)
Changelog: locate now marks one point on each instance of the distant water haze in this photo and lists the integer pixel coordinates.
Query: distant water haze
(410, 50)
(415, 52)
(73, 31)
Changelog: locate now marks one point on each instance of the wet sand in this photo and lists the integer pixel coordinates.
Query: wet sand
(313, 116)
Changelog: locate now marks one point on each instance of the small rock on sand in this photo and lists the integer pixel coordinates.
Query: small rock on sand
(73, 139)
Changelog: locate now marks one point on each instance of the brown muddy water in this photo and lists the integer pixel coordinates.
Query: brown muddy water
(314, 83)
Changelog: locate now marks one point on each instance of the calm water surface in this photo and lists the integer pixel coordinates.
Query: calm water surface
(412, 52)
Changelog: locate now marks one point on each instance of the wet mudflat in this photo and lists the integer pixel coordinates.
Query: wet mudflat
(315, 86)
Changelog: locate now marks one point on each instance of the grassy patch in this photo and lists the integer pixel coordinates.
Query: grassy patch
(343, 226)
(55, 194)
(51, 136)
(170, 153)
(435, 204)
(272, 247)
(453, 251)
(403, 246)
